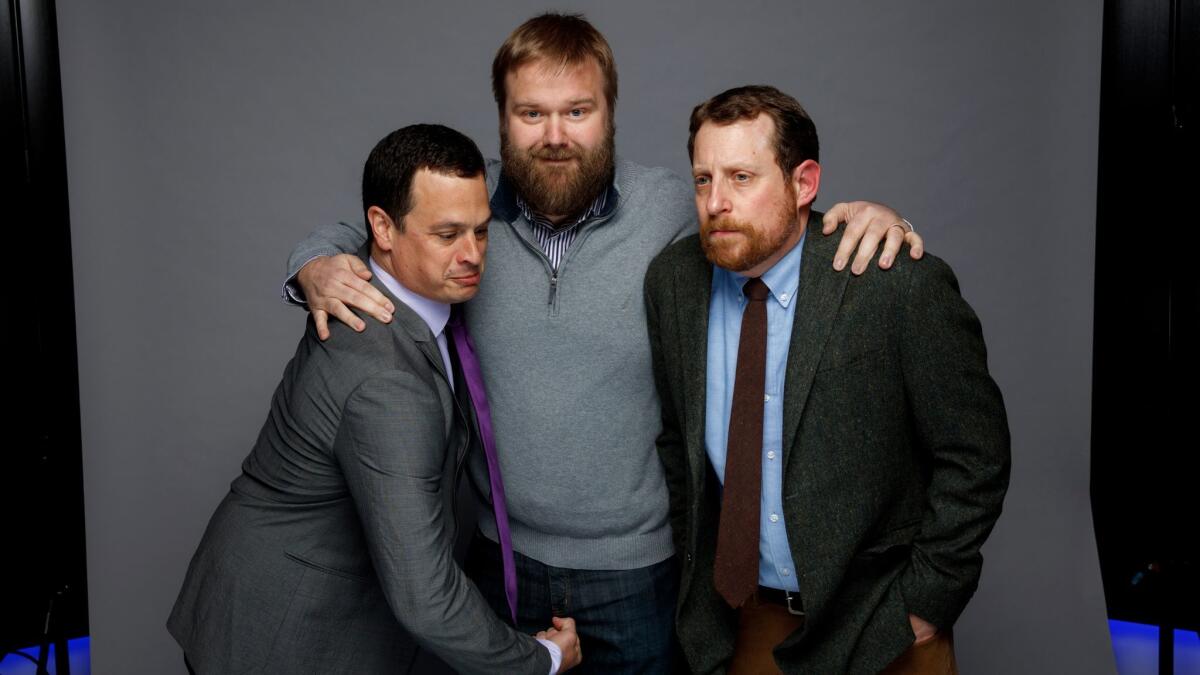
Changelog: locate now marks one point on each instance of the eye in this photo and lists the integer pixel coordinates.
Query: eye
(481, 233)
(741, 177)
(531, 114)
(701, 181)
(447, 236)
(577, 112)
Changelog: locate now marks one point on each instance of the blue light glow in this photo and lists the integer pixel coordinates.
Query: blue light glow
(78, 651)
(1135, 646)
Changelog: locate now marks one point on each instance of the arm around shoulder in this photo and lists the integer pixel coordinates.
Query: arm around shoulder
(327, 240)
(325, 274)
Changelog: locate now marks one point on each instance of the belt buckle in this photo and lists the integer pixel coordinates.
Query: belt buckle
(794, 612)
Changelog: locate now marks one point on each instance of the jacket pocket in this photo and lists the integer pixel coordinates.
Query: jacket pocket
(835, 360)
(326, 570)
(900, 536)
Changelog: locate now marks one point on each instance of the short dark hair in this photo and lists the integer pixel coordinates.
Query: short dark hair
(388, 174)
(561, 39)
(795, 133)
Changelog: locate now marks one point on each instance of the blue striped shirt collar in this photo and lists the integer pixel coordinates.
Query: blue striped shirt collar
(551, 230)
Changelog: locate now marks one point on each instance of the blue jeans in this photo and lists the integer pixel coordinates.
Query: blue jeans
(625, 618)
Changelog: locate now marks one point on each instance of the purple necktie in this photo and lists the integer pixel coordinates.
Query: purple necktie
(474, 378)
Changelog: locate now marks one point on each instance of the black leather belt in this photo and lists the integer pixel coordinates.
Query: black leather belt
(785, 599)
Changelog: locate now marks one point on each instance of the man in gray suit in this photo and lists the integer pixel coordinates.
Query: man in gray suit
(834, 447)
(333, 551)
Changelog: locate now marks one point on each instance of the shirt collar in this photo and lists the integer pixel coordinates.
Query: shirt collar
(782, 279)
(435, 314)
(597, 207)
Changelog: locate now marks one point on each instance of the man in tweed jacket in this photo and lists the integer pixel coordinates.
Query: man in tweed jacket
(887, 463)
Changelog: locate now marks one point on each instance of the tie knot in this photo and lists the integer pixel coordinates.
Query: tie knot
(456, 317)
(756, 290)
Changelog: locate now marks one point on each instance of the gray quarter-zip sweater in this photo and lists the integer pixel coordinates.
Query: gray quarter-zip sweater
(566, 361)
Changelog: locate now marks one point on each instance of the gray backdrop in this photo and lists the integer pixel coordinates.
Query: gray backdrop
(205, 138)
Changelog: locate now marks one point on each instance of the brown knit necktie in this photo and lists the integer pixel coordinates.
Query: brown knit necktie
(736, 573)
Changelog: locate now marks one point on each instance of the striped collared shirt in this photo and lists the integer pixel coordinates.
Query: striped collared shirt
(556, 240)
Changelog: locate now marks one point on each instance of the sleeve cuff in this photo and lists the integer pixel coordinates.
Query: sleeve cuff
(555, 655)
(292, 294)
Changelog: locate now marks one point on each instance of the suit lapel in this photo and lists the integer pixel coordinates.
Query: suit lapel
(410, 324)
(820, 297)
(693, 288)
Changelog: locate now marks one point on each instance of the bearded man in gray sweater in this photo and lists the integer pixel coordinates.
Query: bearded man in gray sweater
(561, 337)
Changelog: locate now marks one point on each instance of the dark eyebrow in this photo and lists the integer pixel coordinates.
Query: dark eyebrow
(459, 225)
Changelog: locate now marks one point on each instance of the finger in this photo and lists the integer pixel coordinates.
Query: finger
(365, 297)
(364, 287)
(836, 214)
(359, 267)
(321, 319)
(342, 313)
(866, 250)
(855, 229)
(891, 246)
(564, 623)
(916, 245)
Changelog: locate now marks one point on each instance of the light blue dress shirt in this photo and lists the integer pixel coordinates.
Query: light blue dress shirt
(775, 567)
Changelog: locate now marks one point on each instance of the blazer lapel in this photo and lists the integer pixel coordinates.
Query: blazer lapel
(408, 323)
(820, 297)
(693, 287)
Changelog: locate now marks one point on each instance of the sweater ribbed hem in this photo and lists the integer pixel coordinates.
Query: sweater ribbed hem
(626, 552)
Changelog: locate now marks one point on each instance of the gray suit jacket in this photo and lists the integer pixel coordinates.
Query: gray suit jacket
(895, 452)
(332, 552)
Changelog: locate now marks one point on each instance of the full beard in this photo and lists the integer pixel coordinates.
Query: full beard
(564, 190)
(752, 248)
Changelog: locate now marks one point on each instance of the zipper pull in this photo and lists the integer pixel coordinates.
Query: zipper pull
(553, 287)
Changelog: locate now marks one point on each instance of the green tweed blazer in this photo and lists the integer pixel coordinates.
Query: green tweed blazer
(895, 451)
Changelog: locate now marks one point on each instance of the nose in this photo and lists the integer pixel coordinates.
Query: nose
(471, 250)
(716, 204)
(554, 133)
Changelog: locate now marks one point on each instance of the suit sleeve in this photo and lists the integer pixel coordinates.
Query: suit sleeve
(390, 448)
(960, 421)
(669, 442)
(328, 240)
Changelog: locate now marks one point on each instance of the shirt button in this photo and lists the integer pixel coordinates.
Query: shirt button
(766, 398)
(770, 454)
(786, 572)
(774, 518)
(784, 297)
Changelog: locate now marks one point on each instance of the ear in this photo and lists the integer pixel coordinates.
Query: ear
(806, 182)
(381, 226)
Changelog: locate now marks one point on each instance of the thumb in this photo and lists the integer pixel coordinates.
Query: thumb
(360, 268)
(838, 213)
